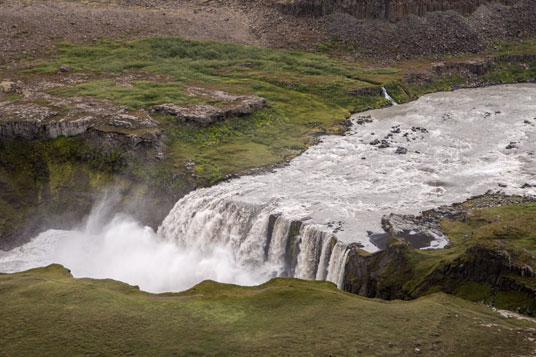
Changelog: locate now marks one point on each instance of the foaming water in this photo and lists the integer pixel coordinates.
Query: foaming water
(298, 220)
(126, 251)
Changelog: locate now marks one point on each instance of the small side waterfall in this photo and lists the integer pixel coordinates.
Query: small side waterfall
(387, 96)
(259, 238)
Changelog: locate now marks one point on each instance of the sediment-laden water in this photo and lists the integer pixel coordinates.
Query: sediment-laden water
(297, 220)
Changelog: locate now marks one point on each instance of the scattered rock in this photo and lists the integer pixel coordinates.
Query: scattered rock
(375, 142)
(64, 68)
(401, 151)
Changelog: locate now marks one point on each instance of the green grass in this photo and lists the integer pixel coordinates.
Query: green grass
(306, 92)
(47, 312)
(508, 228)
(511, 72)
(525, 46)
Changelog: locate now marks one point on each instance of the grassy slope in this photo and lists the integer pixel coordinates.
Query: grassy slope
(46, 311)
(307, 93)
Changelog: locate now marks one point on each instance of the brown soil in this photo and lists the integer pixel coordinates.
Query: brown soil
(31, 28)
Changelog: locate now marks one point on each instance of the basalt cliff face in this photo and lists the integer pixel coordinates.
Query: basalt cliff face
(381, 9)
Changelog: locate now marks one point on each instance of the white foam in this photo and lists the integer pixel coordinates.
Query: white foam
(220, 232)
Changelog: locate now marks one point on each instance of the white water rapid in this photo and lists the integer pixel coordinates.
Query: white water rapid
(298, 220)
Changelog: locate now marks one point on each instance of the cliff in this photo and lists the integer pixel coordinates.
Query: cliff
(488, 259)
(380, 9)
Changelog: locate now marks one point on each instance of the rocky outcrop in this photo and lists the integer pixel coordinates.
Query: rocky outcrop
(39, 115)
(388, 273)
(32, 121)
(380, 9)
(204, 115)
(381, 275)
(399, 271)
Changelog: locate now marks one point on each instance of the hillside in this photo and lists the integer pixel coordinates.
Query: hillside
(50, 313)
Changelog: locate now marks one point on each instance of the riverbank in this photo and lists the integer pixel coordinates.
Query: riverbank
(311, 95)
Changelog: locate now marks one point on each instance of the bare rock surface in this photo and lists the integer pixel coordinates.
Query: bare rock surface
(40, 115)
(204, 115)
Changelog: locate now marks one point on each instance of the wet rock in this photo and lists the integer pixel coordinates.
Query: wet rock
(384, 144)
(512, 145)
(419, 129)
(375, 142)
(361, 120)
(401, 151)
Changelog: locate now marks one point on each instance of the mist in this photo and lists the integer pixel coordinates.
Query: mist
(122, 249)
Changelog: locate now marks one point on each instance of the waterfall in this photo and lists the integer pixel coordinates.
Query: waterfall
(337, 264)
(259, 237)
(387, 96)
(298, 220)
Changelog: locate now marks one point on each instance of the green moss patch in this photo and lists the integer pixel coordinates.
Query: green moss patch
(306, 93)
(50, 313)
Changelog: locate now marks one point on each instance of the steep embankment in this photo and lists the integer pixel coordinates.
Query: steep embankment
(491, 256)
(281, 317)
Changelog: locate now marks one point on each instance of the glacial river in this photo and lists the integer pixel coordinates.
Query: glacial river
(440, 149)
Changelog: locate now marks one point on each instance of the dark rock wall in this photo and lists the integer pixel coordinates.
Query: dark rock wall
(381, 9)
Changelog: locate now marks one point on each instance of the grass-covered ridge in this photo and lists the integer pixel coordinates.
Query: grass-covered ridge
(48, 312)
(306, 92)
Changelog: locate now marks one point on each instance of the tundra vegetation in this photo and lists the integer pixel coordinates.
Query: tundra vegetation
(50, 313)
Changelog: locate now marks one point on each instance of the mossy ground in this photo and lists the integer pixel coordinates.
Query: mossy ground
(45, 173)
(47, 312)
(307, 93)
(508, 228)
